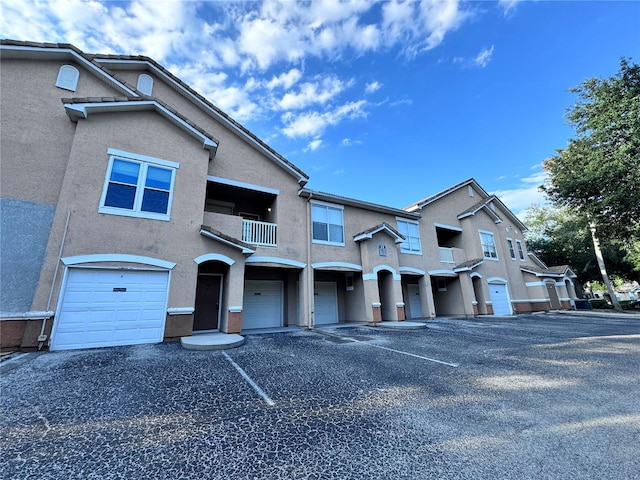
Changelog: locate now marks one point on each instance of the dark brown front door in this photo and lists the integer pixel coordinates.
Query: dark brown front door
(207, 302)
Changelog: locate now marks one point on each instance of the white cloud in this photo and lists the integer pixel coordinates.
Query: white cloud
(372, 87)
(484, 57)
(312, 124)
(509, 6)
(313, 144)
(310, 93)
(285, 80)
(347, 142)
(527, 193)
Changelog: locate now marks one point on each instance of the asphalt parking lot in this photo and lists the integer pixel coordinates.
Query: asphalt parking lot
(537, 396)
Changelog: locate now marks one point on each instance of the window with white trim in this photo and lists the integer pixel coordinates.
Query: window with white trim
(145, 84)
(138, 186)
(488, 245)
(512, 252)
(409, 230)
(68, 77)
(520, 249)
(327, 223)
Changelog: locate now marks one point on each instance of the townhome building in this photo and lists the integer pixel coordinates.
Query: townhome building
(133, 210)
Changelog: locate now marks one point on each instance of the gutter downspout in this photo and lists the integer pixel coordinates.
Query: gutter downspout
(55, 276)
(310, 274)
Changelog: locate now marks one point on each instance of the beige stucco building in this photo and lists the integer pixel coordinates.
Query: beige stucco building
(134, 210)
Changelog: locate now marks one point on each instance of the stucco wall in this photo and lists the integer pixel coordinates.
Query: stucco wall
(24, 231)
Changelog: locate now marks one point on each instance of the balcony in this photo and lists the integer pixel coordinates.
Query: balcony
(242, 211)
(446, 255)
(259, 233)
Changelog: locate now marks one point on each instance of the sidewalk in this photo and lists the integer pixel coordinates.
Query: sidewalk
(628, 314)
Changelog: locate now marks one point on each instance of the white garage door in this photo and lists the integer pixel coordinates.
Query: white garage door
(103, 308)
(415, 306)
(262, 304)
(499, 299)
(325, 303)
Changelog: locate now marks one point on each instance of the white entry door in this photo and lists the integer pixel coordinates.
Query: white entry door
(103, 308)
(325, 303)
(262, 304)
(415, 305)
(499, 299)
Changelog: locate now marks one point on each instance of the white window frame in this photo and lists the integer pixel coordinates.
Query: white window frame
(334, 206)
(512, 249)
(145, 84)
(68, 77)
(144, 162)
(495, 246)
(410, 241)
(521, 250)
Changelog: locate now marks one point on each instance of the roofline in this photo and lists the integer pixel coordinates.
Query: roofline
(443, 193)
(93, 62)
(69, 50)
(78, 110)
(398, 238)
(213, 236)
(352, 202)
(301, 177)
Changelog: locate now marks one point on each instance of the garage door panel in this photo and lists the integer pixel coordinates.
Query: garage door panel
(262, 304)
(325, 301)
(92, 314)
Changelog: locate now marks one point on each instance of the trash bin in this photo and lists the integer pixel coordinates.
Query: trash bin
(582, 304)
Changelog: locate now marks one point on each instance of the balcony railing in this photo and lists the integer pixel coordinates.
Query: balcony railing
(259, 233)
(446, 255)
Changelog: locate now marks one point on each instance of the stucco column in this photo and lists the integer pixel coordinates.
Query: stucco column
(231, 321)
(371, 299)
(468, 296)
(426, 297)
(305, 294)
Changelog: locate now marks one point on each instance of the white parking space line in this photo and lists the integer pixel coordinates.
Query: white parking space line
(409, 354)
(255, 386)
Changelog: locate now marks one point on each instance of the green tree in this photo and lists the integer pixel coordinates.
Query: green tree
(557, 235)
(597, 175)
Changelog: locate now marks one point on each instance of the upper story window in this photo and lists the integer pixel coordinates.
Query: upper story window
(520, 249)
(488, 245)
(138, 186)
(327, 223)
(409, 230)
(68, 76)
(512, 252)
(145, 84)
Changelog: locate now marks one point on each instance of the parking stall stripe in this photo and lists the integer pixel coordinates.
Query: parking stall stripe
(410, 354)
(255, 386)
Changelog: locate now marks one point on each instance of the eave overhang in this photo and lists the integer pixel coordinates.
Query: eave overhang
(225, 239)
(383, 227)
(77, 109)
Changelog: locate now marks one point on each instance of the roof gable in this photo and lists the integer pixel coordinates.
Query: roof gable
(383, 227)
(77, 108)
(99, 65)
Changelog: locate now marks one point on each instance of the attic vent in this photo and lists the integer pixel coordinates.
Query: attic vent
(470, 189)
(68, 78)
(145, 84)
(492, 206)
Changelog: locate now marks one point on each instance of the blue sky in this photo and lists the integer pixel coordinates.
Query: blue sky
(387, 102)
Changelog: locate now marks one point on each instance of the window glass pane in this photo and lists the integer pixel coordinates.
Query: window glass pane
(319, 213)
(121, 196)
(158, 178)
(413, 230)
(125, 172)
(334, 216)
(155, 201)
(320, 231)
(335, 233)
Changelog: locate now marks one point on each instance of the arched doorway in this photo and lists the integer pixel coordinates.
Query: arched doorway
(385, 290)
(209, 297)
